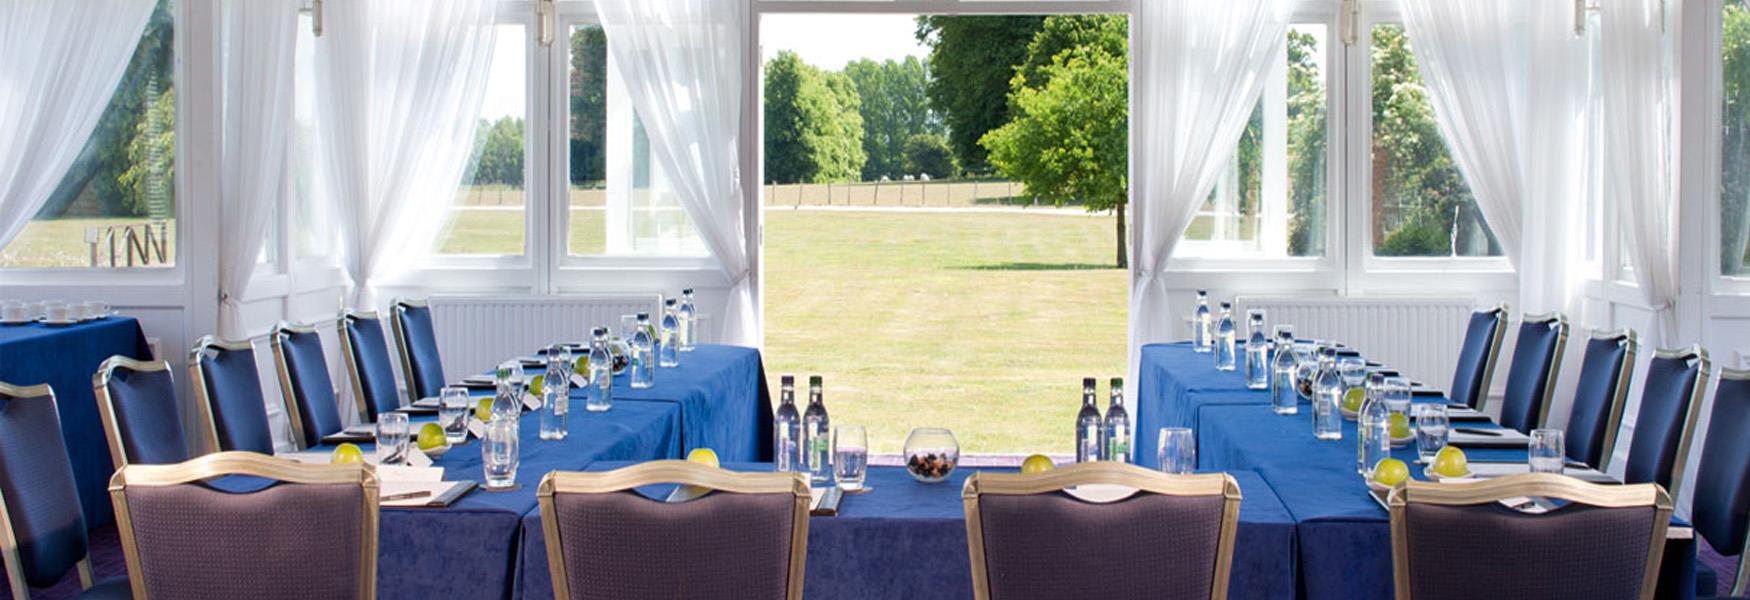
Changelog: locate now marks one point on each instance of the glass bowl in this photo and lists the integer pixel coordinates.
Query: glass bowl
(931, 453)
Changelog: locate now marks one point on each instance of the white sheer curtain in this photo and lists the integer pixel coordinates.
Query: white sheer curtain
(1199, 69)
(260, 40)
(1557, 161)
(400, 86)
(682, 60)
(62, 62)
(1637, 165)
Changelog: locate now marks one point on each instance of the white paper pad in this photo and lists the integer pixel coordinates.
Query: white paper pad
(433, 490)
(1493, 470)
(1504, 438)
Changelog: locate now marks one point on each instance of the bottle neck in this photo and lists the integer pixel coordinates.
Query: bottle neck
(787, 397)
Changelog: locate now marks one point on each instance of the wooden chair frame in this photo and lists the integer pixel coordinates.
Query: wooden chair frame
(106, 404)
(8, 535)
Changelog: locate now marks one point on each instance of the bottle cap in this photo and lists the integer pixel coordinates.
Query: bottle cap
(1202, 293)
(814, 380)
(687, 292)
(1117, 382)
(644, 316)
(1227, 305)
(1088, 382)
(787, 380)
(668, 302)
(599, 331)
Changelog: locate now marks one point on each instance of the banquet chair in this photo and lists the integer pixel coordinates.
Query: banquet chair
(305, 385)
(1531, 377)
(1476, 358)
(1606, 541)
(1721, 506)
(243, 525)
(1596, 415)
(229, 392)
(137, 403)
(1176, 532)
(367, 364)
(42, 529)
(747, 539)
(415, 338)
(1670, 404)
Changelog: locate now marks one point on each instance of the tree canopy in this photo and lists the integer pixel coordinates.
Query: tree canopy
(972, 59)
(895, 108)
(589, 105)
(814, 125)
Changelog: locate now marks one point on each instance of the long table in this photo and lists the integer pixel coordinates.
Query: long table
(65, 358)
(905, 539)
(721, 391)
(1172, 387)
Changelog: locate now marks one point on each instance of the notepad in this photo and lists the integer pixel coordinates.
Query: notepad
(824, 501)
(1491, 470)
(1497, 438)
(434, 494)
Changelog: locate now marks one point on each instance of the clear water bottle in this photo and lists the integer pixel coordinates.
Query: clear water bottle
(1284, 397)
(787, 429)
(1373, 426)
(1088, 425)
(643, 359)
(1224, 339)
(1327, 397)
(601, 372)
(507, 402)
(1117, 425)
(817, 437)
(555, 394)
(1257, 352)
(688, 318)
(668, 350)
(1202, 327)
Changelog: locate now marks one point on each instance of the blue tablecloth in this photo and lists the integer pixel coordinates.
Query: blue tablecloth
(65, 358)
(1174, 383)
(724, 403)
(908, 540)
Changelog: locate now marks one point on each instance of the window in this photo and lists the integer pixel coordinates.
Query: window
(1735, 139)
(490, 213)
(116, 206)
(313, 234)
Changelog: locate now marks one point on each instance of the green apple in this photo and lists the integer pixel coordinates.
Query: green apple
(1451, 462)
(1390, 472)
(432, 436)
(347, 454)
(535, 384)
(1038, 463)
(483, 410)
(581, 365)
(1400, 426)
(1352, 399)
(703, 456)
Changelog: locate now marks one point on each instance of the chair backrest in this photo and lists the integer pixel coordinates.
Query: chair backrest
(137, 402)
(1721, 507)
(1476, 359)
(747, 540)
(1596, 415)
(309, 531)
(1531, 377)
(367, 361)
(229, 392)
(416, 339)
(1176, 534)
(1605, 542)
(1670, 404)
(42, 528)
(304, 383)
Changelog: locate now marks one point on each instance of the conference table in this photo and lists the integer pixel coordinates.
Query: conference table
(905, 539)
(65, 357)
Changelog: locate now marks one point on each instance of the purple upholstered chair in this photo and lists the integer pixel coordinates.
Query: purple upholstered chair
(41, 523)
(747, 539)
(137, 403)
(1169, 536)
(244, 525)
(1464, 541)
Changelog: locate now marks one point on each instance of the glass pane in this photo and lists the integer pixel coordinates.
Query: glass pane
(1735, 140)
(1270, 199)
(116, 207)
(488, 216)
(314, 233)
(1421, 203)
(618, 203)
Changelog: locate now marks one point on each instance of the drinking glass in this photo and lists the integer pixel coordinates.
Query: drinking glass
(1396, 394)
(453, 405)
(850, 447)
(392, 438)
(1546, 451)
(500, 454)
(1178, 451)
(1432, 427)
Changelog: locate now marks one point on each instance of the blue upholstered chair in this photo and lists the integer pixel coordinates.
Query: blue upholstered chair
(243, 525)
(308, 391)
(1670, 403)
(415, 338)
(1476, 359)
(228, 390)
(1605, 372)
(1531, 377)
(366, 350)
(1721, 507)
(137, 401)
(42, 525)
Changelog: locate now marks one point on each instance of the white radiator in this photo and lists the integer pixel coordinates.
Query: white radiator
(475, 334)
(1419, 337)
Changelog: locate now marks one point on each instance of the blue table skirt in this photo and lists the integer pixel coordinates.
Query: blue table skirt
(1174, 383)
(65, 358)
(725, 405)
(908, 540)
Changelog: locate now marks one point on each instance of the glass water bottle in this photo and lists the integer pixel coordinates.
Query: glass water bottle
(1088, 425)
(601, 373)
(1224, 339)
(787, 428)
(1373, 426)
(817, 437)
(1257, 352)
(1284, 398)
(668, 350)
(555, 393)
(1117, 431)
(1202, 327)
(643, 360)
(689, 324)
(1327, 398)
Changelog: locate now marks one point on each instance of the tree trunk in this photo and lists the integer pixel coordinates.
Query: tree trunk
(1123, 254)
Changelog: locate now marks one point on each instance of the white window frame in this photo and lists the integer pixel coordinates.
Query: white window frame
(1712, 87)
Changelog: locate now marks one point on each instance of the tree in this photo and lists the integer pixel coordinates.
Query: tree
(1069, 139)
(1306, 146)
(498, 152)
(972, 59)
(589, 105)
(895, 106)
(929, 154)
(1059, 33)
(1735, 142)
(814, 132)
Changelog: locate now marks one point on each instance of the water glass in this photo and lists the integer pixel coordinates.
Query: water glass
(1395, 392)
(1432, 427)
(850, 448)
(453, 408)
(500, 454)
(1178, 451)
(392, 433)
(1547, 451)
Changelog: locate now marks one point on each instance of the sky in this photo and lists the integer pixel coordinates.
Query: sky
(830, 41)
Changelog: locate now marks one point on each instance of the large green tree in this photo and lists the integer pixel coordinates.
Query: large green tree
(814, 128)
(589, 105)
(972, 59)
(1735, 140)
(1307, 141)
(498, 152)
(895, 106)
(929, 154)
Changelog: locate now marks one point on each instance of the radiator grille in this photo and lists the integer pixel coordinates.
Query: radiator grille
(474, 334)
(1418, 337)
